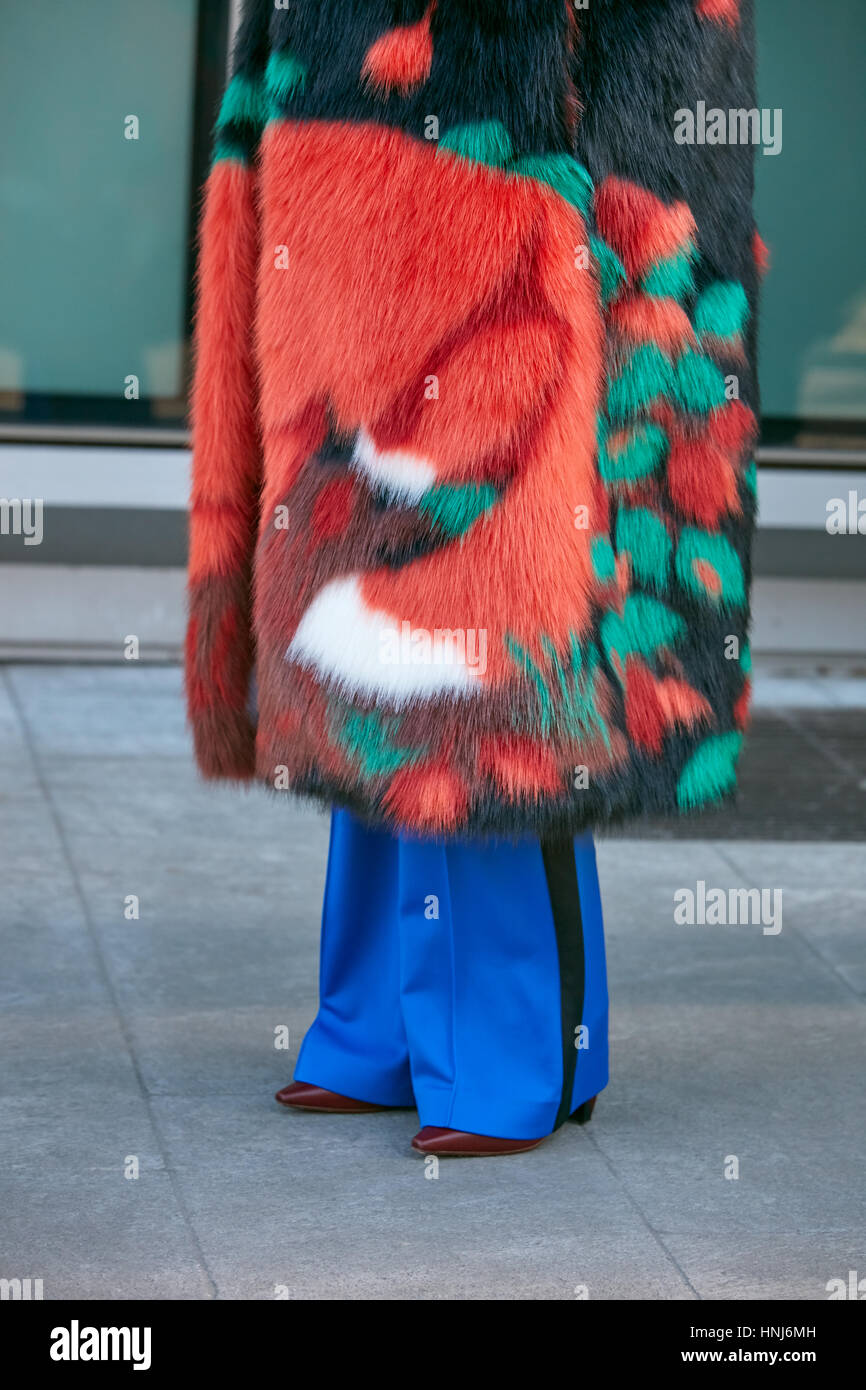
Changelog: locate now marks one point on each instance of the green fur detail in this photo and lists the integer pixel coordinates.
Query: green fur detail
(645, 626)
(722, 311)
(716, 551)
(285, 76)
(647, 375)
(520, 656)
(567, 691)
(644, 537)
(485, 143)
(560, 172)
(641, 456)
(455, 509)
(651, 624)
(611, 271)
(711, 772)
(672, 278)
(746, 659)
(578, 713)
(751, 476)
(603, 559)
(243, 104)
(226, 148)
(699, 385)
(369, 739)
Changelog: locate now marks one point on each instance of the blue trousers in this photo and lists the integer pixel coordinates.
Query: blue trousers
(466, 979)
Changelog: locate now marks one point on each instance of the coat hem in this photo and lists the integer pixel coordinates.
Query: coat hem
(511, 822)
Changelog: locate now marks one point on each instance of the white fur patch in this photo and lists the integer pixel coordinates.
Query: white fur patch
(374, 654)
(403, 476)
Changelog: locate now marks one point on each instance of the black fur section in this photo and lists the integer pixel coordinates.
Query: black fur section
(492, 61)
(648, 791)
(252, 44)
(637, 64)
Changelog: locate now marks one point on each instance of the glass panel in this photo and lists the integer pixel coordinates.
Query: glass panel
(93, 268)
(95, 226)
(811, 209)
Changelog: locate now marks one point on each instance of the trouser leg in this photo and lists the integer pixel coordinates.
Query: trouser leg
(357, 1044)
(503, 985)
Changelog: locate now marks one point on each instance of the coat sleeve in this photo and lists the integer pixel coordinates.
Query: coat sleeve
(227, 459)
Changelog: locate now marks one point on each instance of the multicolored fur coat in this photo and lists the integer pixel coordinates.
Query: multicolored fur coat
(474, 412)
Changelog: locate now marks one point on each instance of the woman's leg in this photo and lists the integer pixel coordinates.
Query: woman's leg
(357, 1043)
(503, 983)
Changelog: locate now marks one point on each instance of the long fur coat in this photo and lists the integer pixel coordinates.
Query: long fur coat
(475, 411)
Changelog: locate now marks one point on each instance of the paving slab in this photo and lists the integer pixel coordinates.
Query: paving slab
(354, 1213)
(154, 1038)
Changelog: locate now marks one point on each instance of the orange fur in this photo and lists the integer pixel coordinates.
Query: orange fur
(226, 457)
(702, 480)
(399, 397)
(401, 59)
(640, 318)
(720, 11)
(644, 713)
(743, 706)
(733, 428)
(219, 538)
(487, 388)
(655, 706)
(361, 317)
(761, 253)
(365, 299)
(495, 586)
(640, 227)
(707, 575)
(333, 509)
(682, 704)
(287, 451)
(431, 798)
(520, 767)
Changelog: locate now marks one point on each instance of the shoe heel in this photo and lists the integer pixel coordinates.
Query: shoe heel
(583, 1114)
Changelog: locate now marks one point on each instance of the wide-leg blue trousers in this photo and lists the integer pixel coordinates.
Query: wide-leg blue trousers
(465, 978)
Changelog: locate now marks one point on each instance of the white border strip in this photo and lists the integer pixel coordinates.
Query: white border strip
(72, 475)
(79, 476)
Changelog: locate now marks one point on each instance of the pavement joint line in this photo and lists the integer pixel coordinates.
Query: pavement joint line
(796, 932)
(40, 755)
(789, 717)
(657, 1235)
(125, 1030)
(633, 1202)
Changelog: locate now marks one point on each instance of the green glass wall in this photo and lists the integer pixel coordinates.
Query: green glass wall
(95, 225)
(95, 228)
(811, 208)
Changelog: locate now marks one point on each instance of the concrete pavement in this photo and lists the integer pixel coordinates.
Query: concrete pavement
(146, 1044)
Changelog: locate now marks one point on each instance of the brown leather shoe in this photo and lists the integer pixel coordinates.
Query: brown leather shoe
(453, 1143)
(301, 1096)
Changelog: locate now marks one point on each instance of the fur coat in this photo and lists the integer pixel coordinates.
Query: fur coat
(475, 411)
